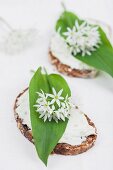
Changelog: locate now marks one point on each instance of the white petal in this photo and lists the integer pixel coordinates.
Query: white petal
(54, 91)
(39, 100)
(50, 95)
(36, 105)
(77, 24)
(40, 109)
(74, 29)
(52, 101)
(62, 117)
(53, 107)
(45, 118)
(69, 29)
(56, 120)
(50, 118)
(41, 115)
(59, 29)
(88, 52)
(57, 114)
(60, 92)
(61, 98)
(63, 104)
(40, 94)
(58, 102)
(66, 33)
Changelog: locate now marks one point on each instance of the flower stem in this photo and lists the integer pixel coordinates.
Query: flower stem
(63, 6)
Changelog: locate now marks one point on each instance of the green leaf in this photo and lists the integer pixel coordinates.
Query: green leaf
(102, 58)
(67, 19)
(46, 134)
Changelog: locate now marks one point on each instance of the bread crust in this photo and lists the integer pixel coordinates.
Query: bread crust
(73, 72)
(61, 148)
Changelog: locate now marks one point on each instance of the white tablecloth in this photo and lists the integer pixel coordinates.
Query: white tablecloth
(94, 96)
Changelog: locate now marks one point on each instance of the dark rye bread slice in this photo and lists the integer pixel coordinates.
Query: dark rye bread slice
(73, 72)
(61, 148)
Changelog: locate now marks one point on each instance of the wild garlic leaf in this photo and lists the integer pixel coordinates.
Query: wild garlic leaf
(46, 134)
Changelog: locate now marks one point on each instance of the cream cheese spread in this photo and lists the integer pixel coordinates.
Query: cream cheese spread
(77, 128)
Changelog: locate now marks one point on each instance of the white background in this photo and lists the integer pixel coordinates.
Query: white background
(94, 96)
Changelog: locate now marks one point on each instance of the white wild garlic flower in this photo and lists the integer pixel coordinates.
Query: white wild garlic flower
(82, 38)
(53, 106)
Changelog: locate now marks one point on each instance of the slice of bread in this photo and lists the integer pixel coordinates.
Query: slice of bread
(61, 148)
(73, 72)
(76, 72)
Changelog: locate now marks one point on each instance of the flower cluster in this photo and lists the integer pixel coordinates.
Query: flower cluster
(82, 38)
(53, 106)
